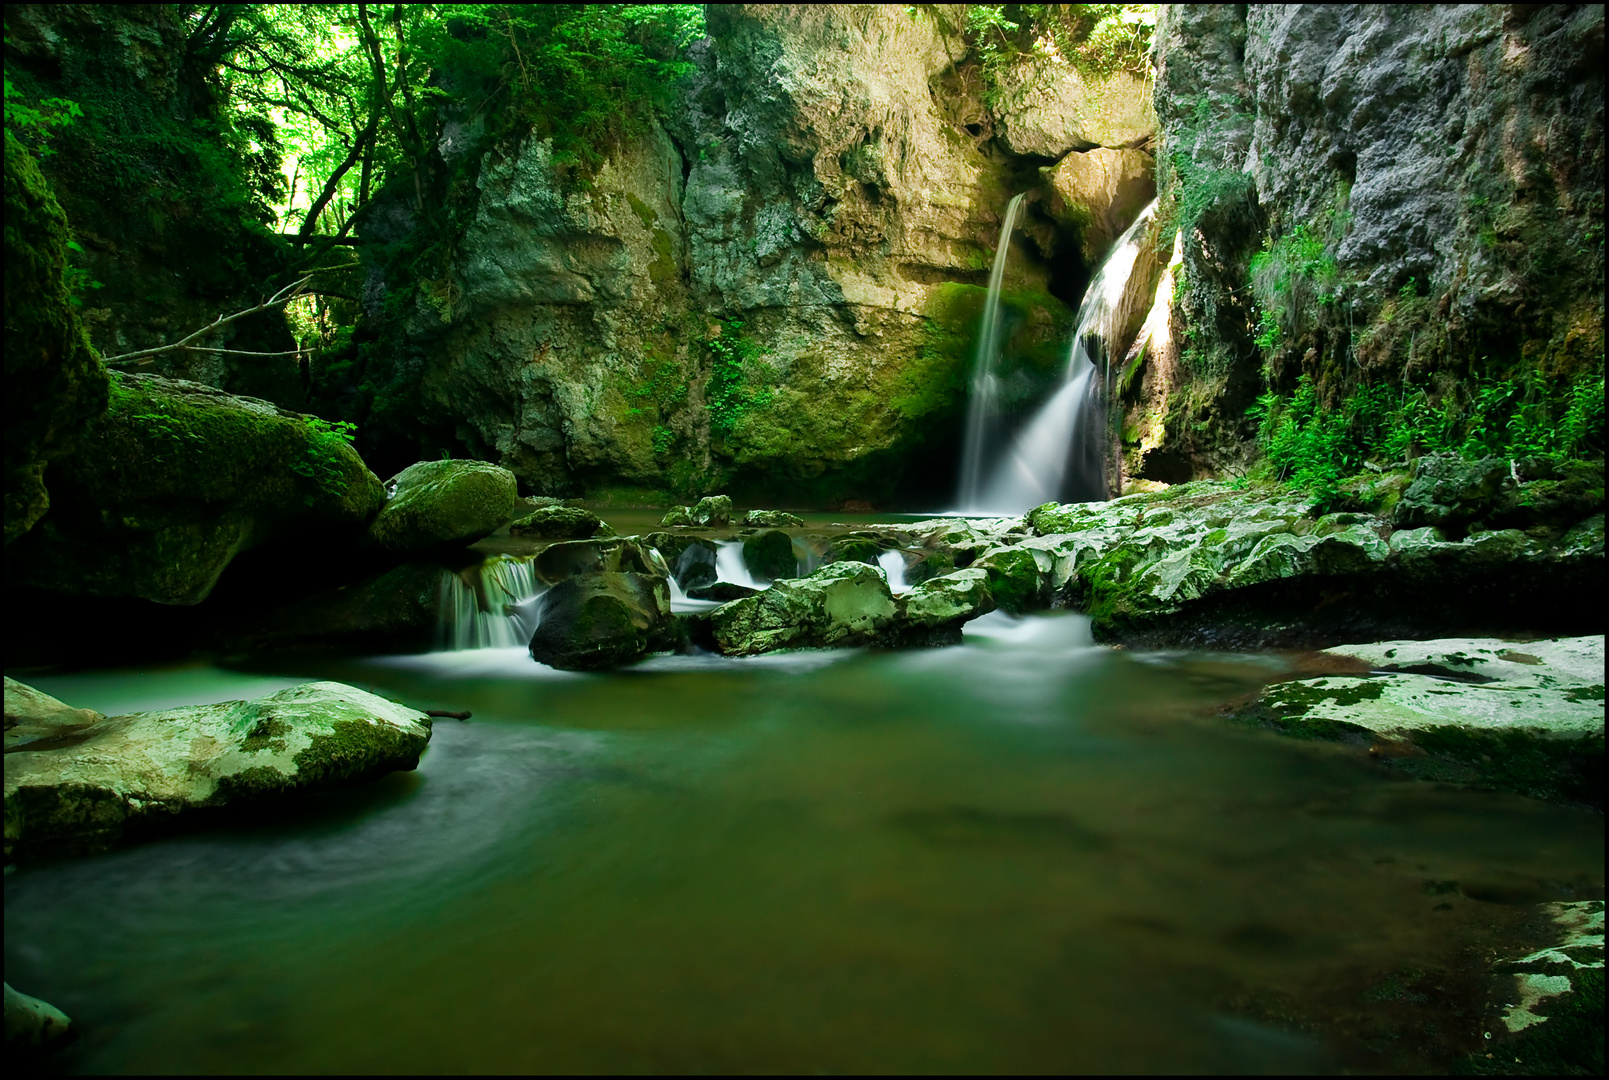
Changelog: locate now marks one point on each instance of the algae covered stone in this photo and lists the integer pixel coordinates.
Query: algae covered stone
(593, 621)
(560, 523)
(846, 603)
(948, 601)
(437, 504)
(85, 786)
(183, 478)
(713, 511)
(771, 519)
(770, 556)
(32, 1024)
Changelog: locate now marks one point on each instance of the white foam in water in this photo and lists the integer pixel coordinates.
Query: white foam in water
(680, 604)
(504, 662)
(497, 611)
(729, 565)
(893, 564)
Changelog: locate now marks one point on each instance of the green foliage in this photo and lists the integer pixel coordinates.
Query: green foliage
(1096, 39)
(323, 460)
(35, 125)
(737, 381)
(1288, 277)
(1315, 448)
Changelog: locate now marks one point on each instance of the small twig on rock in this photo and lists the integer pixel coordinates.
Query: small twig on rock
(445, 714)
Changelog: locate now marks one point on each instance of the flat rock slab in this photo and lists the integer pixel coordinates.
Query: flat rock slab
(77, 783)
(1522, 717)
(1551, 686)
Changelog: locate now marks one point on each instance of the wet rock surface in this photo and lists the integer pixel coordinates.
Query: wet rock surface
(439, 504)
(560, 523)
(33, 1025)
(1526, 717)
(593, 621)
(78, 783)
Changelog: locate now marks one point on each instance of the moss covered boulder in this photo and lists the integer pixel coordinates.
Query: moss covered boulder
(54, 382)
(846, 603)
(770, 555)
(589, 622)
(1516, 716)
(437, 504)
(771, 519)
(183, 477)
(78, 784)
(560, 523)
(935, 610)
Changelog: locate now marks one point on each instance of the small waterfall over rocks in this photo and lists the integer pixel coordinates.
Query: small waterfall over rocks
(490, 606)
(1060, 454)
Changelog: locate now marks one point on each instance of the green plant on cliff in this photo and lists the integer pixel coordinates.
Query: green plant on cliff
(1097, 39)
(1315, 447)
(736, 386)
(1288, 277)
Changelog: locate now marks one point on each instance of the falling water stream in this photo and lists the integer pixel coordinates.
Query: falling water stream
(983, 408)
(1060, 453)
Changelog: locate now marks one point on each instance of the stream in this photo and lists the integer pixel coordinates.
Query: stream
(1022, 853)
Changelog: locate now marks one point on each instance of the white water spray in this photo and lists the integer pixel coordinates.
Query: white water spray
(495, 609)
(983, 411)
(893, 564)
(1060, 454)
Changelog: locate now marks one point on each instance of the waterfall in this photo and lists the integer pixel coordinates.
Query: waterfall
(1060, 454)
(490, 606)
(893, 564)
(730, 567)
(983, 411)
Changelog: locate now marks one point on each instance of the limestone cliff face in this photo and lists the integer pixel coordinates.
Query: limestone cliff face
(1425, 185)
(777, 290)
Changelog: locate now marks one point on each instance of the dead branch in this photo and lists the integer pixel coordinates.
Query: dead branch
(283, 296)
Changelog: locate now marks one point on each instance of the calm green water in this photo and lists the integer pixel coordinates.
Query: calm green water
(1022, 853)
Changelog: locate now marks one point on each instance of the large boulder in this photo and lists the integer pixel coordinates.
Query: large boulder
(771, 519)
(572, 558)
(712, 511)
(1048, 109)
(76, 784)
(1518, 716)
(54, 382)
(1448, 491)
(439, 504)
(183, 478)
(592, 621)
(934, 611)
(396, 610)
(847, 603)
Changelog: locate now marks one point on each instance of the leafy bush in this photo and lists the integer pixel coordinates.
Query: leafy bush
(1288, 277)
(1315, 448)
(324, 461)
(732, 392)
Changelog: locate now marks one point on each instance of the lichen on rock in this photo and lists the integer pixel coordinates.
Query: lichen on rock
(71, 786)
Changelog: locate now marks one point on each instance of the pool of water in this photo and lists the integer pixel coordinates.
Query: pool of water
(1023, 853)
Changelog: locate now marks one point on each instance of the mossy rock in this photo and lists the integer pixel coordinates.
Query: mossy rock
(713, 511)
(184, 477)
(771, 519)
(437, 504)
(844, 604)
(590, 622)
(76, 788)
(54, 382)
(560, 523)
(770, 556)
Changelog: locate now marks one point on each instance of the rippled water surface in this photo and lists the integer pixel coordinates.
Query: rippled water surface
(1022, 853)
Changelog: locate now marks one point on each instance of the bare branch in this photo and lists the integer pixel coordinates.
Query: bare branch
(283, 296)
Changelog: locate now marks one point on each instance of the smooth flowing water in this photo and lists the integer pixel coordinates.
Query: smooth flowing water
(984, 419)
(1060, 454)
(1022, 853)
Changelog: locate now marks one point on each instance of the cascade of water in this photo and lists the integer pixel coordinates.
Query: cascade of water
(729, 565)
(893, 564)
(1060, 454)
(983, 410)
(497, 609)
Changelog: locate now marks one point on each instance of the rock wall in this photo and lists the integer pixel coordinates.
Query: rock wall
(776, 290)
(1425, 185)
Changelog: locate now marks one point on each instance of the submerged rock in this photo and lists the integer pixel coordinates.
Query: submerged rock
(1552, 998)
(722, 591)
(185, 477)
(771, 519)
(437, 504)
(33, 1025)
(599, 620)
(73, 785)
(560, 523)
(1525, 717)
